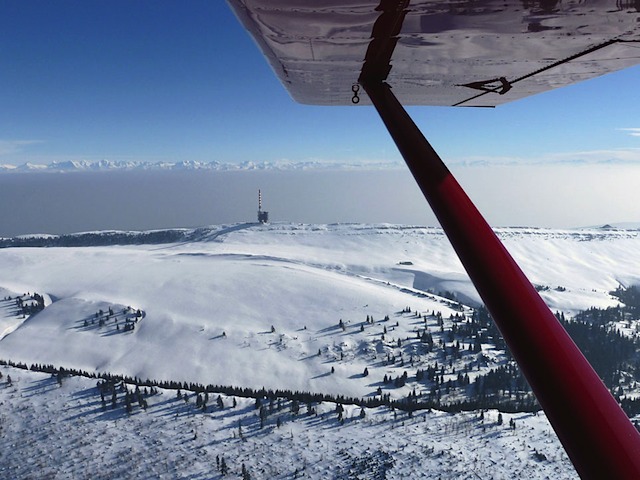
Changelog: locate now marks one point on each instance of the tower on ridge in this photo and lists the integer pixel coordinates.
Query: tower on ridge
(263, 217)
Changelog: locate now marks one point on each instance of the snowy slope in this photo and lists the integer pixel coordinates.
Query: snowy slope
(51, 431)
(261, 305)
(210, 304)
(192, 299)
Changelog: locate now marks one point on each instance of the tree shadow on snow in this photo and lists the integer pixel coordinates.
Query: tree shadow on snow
(41, 386)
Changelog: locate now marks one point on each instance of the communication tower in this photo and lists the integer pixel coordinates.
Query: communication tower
(263, 217)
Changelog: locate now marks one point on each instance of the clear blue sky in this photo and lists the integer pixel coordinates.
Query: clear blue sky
(171, 81)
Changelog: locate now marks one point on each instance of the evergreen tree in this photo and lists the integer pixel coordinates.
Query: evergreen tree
(127, 402)
(263, 416)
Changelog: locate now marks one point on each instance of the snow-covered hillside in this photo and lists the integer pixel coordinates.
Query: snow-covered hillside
(54, 431)
(253, 305)
(327, 309)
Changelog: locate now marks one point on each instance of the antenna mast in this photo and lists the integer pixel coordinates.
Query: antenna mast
(263, 217)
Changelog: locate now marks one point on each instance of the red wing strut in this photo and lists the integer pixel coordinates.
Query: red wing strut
(596, 433)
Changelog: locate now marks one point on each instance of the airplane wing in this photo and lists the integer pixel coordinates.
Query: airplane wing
(479, 53)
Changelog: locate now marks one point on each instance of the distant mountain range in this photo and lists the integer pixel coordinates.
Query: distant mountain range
(109, 165)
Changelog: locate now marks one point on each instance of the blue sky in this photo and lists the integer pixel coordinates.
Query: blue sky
(183, 81)
(172, 81)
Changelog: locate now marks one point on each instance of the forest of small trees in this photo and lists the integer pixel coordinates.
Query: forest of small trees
(26, 304)
(112, 317)
(93, 239)
(595, 331)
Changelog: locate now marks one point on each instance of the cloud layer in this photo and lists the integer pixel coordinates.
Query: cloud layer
(10, 147)
(634, 132)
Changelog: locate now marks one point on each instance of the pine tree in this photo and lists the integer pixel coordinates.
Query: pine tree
(263, 416)
(127, 402)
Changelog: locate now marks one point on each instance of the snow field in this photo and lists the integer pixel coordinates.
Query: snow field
(209, 308)
(54, 432)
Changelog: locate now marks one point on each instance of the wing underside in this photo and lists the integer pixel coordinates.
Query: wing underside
(478, 53)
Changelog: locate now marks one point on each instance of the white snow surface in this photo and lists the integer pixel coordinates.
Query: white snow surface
(210, 305)
(59, 432)
(251, 305)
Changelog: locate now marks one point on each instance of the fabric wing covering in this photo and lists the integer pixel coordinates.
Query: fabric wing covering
(479, 53)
